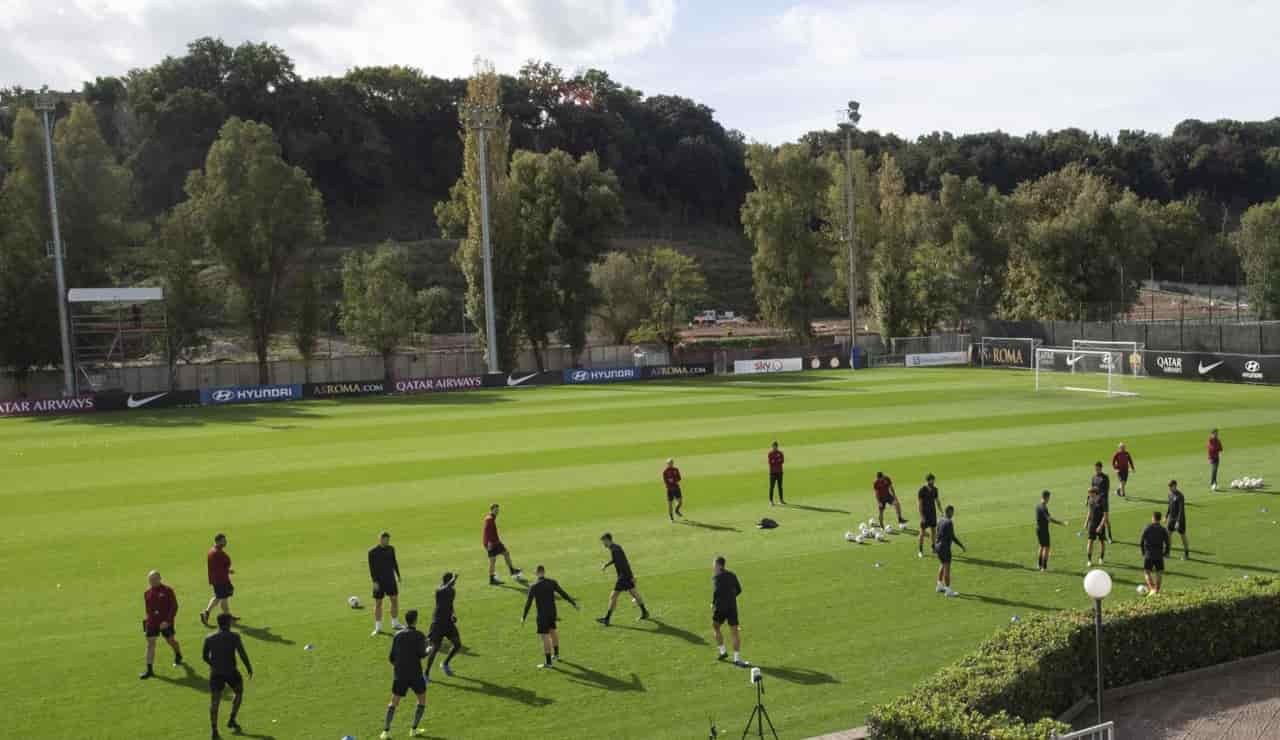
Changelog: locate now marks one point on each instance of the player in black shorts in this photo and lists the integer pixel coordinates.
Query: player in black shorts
(1155, 547)
(220, 651)
(444, 625)
(1176, 517)
(1094, 523)
(384, 571)
(1101, 482)
(1043, 520)
(929, 498)
(725, 590)
(408, 648)
(626, 579)
(543, 593)
(946, 536)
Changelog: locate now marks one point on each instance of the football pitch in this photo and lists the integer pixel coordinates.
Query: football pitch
(302, 489)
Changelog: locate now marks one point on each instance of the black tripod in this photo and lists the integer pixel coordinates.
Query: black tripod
(759, 715)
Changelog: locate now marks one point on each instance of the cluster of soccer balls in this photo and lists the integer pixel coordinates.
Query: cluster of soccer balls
(871, 531)
(1248, 484)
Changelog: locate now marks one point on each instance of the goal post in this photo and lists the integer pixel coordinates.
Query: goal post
(1080, 371)
(1127, 356)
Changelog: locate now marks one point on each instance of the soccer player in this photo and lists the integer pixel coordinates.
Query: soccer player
(1043, 520)
(1101, 482)
(162, 607)
(671, 478)
(543, 593)
(1155, 548)
(220, 572)
(1176, 517)
(444, 624)
(775, 473)
(946, 535)
(1122, 463)
(493, 547)
(1094, 523)
(408, 648)
(725, 590)
(220, 651)
(384, 571)
(885, 495)
(626, 579)
(929, 500)
(1214, 448)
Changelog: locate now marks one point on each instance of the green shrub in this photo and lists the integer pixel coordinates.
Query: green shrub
(1018, 680)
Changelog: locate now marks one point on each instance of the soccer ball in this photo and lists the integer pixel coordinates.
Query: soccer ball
(860, 539)
(1142, 590)
(871, 522)
(888, 528)
(850, 536)
(880, 537)
(353, 602)
(1236, 483)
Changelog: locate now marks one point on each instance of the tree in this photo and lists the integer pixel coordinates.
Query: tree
(620, 282)
(891, 291)
(93, 201)
(781, 219)
(1258, 241)
(306, 316)
(673, 282)
(379, 309)
(433, 309)
(176, 250)
(257, 214)
(865, 220)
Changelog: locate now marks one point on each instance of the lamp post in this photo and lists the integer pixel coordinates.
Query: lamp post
(1097, 583)
(483, 118)
(851, 117)
(46, 104)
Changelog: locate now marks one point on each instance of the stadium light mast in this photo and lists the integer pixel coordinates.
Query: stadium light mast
(850, 122)
(46, 104)
(482, 119)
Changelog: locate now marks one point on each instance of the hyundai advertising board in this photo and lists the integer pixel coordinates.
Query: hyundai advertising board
(250, 394)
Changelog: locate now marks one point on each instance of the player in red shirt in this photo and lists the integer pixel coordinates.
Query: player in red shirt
(885, 495)
(220, 578)
(1122, 463)
(775, 473)
(671, 477)
(1214, 448)
(162, 607)
(493, 547)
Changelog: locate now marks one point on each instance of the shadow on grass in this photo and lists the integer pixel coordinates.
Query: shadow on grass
(585, 676)
(666, 629)
(1007, 602)
(189, 680)
(705, 525)
(263, 633)
(803, 676)
(511, 693)
(1237, 566)
(819, 509)
(1001, 564)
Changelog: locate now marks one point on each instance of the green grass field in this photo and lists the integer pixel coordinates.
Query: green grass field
(92, 503)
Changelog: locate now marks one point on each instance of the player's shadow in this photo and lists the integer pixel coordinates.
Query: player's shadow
(512, 693)
(1239, 566)
(263, 633)
(515, 587)
(253, 736)
(669, 630)
(819, 509)
(804, 676)
(585, 676)
(1007, 602)
(1157, 501)
(189, 680)
(705, 525)
(1001, 564)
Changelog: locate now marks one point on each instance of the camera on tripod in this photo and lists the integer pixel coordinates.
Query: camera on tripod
(756, 676)
(759, 716)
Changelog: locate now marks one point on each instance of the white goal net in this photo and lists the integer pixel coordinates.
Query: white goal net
(1083, 371)
(1126, 356)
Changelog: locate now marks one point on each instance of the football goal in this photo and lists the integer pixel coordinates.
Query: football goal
(1127, 355)
(1082, 371)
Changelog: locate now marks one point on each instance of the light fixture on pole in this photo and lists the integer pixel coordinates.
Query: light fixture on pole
(1097, 583)
(850, 116)
(46, 104)
(483, 118)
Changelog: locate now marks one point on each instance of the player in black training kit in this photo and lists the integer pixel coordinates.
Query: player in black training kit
(1094, 526)
(946, 535)
(725, 590)
(407, 651)
(1043, 520)
(543, 593)
(626, 579)
(384, 571)
(220, 651)
(444, 624)
(1176, 517)
(1155, 547)
(1101, 482)
(929, 500)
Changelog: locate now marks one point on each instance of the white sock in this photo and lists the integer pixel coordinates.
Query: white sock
(737, 656)
(722, 650)
(377, 624)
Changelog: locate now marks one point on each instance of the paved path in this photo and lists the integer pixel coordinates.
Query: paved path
(1239, 703)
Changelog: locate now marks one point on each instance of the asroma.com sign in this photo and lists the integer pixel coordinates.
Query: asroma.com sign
(338, 390)
(47, 406)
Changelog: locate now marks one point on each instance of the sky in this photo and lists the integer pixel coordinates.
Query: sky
(771, 69)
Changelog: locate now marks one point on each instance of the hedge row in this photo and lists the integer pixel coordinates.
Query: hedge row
(1016, 682)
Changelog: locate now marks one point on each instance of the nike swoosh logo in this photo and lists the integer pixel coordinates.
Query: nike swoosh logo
(1204, 369)
(133, 403)
(1074, 360)
(512, 381)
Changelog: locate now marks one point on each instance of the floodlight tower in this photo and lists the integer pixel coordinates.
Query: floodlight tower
(483, 118)
(850, 116)
(46, 104)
